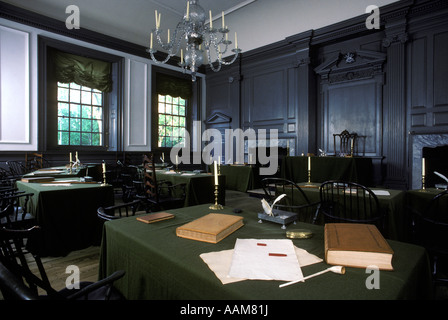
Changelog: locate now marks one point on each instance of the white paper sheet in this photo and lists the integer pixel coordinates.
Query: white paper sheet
(219, 262)
(265, 259)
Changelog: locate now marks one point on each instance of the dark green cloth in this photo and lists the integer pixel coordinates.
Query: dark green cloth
(200, 187)
(393, 205)
(84, 71)
(239, 178)
(67, 215)
(355, 169)
(160, 265)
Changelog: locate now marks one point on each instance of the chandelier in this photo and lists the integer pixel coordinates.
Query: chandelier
(199, 37)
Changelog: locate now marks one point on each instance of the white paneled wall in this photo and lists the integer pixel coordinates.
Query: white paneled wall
(18, 107)
(137, 114)
(18, 91)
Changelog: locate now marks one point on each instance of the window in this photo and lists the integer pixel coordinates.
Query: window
(80, 115)
(172, 121)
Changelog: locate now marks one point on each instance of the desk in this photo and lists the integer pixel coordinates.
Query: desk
(239, 178)
(200, 187)
(393, 205)
(67, 214)
(160, 265)
(355, 169)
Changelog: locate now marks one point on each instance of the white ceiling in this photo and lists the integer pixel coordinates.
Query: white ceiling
(257, 22)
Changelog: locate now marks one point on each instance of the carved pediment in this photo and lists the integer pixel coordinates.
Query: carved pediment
(353, 64)
(218, 118)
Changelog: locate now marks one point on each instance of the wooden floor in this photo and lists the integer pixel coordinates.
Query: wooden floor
(87, 259)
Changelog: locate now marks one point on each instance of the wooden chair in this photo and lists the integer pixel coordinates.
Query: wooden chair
(119, 211)
(160, 195)
(19, 282)
(16, 169)
(15, 213)
(346, 142)
(350, 202)
(295, 201)
(430, 230)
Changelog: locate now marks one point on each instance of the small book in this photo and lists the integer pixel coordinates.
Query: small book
(155, 217)
(37, 179)
(211, 228)
(357, 245)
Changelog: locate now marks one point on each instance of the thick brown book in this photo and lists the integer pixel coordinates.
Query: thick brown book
(155, 217)
(37, 179)
(357, 245)
(212, 227)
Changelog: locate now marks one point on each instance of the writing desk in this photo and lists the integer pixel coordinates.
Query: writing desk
(393, 205)
(67, 214)
(355, 169)
(200, 187)
(160, 265)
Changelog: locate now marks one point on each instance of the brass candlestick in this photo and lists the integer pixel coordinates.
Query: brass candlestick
(104, 179)
(309, 176)
(423, 182)
(216, 206)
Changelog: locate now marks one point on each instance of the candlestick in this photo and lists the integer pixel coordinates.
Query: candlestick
(423, 174)
(216, 206)
(215, 170)
(309, 169)
(104, 174)
(211, 20)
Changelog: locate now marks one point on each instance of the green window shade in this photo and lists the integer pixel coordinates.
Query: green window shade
(83, 71)
(172, 86)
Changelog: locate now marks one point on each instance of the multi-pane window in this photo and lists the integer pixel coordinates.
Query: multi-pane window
(80, 115)
(171, 120)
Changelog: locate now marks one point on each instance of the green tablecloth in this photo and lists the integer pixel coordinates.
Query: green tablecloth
(160, 265)
(356, 169)
(239, 178)
(199, 188)
(393, 205)
(67, 214)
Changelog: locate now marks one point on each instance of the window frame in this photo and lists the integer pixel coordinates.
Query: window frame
(48, 102)
(191, 107)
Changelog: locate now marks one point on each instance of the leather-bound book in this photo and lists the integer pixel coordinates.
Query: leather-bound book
(212, 227)
(357, 245)
(155, 217)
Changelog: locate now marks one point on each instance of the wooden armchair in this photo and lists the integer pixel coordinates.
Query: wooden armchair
(346, 144)
(19, 280)
(160, 195)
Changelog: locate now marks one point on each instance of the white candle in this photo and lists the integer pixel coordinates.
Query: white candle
(155, 13)
(71, 160)
(236, 42)
(188, 10)
(168, 36)
(215, 172)
(104, 167)
(150, 45)
(309, 163)
(163, 156)
(423, 167)
(211, 21)
(76, 156)
(223, 24)
(181, 56)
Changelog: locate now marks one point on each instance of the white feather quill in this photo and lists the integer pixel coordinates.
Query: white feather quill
(441, 176)
(267, 208)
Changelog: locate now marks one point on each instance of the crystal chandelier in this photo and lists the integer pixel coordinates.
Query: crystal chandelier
(199, 37)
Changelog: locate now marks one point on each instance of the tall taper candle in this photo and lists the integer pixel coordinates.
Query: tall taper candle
(423, 167)
(71, 159)
(309, 163)
(215, 170)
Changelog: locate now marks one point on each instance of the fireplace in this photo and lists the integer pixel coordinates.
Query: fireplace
(434, 148)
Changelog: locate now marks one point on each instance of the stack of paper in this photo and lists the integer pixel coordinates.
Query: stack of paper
(259, 259)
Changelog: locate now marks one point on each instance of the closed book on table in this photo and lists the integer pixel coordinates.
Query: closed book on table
(37, 179)
(155, 217)
(212, 227)
(357, 245)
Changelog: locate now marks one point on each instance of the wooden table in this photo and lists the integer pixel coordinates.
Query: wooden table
(67, 214)
(354, 169)
(200, 187)
(161, 266)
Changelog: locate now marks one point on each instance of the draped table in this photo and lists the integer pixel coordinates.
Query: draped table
(239, 177)
(200, 187)
(67, 214)
(160, 265)
(354, 169)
